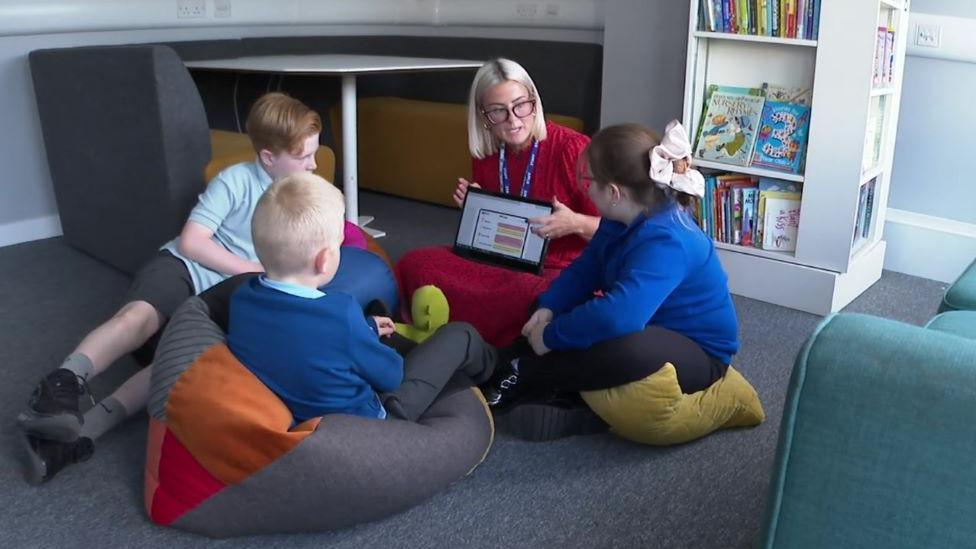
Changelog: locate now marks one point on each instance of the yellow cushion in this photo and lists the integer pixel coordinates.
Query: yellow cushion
(229, 148)
(654, 410)
(415, 149)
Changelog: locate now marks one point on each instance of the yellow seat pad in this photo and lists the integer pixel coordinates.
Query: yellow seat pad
(655, 411)
(414, 149)
(229, 148)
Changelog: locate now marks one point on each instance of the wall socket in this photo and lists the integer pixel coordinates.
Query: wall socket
(221, 8)
(929, 36)
(526, 10)
(191, 9)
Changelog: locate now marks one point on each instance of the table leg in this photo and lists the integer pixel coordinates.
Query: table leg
(350, 166)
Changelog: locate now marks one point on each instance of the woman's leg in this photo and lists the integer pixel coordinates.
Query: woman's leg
(623, 360)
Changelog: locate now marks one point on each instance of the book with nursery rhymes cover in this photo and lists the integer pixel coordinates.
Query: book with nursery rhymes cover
(728, 130)
(782, 138)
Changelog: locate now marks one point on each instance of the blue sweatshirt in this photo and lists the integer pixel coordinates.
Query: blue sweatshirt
(318, 354)
(661, 270)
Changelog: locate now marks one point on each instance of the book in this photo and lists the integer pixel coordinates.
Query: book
(879, 56)
(888, 75)
(781, 221)
(782, 138)
(728, 131)
(787, 94)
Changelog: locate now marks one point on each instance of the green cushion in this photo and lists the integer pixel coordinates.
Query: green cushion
(961, 296)
(876, 440)
(961, 323)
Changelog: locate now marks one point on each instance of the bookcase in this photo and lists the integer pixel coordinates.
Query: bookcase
(839, 246)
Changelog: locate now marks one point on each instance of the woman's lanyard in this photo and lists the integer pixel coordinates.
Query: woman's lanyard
(503, 170)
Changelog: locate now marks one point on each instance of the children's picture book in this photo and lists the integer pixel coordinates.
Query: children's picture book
(781, 219)
(782, 138)
(728, 131)
(799, 95)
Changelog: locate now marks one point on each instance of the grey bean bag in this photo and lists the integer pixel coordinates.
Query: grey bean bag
(224, 460)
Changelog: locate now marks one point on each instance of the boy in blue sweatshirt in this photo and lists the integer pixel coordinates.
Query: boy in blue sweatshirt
(315, 349)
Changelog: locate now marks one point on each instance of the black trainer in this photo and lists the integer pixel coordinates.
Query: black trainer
(53, 411)
(47, 457)
(554, 416)
(505, 388)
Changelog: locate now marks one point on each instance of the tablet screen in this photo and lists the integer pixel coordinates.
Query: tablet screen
(495, 228)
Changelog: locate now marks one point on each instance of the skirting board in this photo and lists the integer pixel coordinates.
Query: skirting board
(29, 229)
(800, 287)
(930, 247)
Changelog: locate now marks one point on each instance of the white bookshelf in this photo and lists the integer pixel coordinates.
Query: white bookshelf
(829, 267)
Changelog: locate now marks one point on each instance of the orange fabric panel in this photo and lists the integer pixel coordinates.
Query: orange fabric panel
(228, 420)
(229, 148)
(154, 442)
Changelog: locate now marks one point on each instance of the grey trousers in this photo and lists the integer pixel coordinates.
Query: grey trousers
(455, 356)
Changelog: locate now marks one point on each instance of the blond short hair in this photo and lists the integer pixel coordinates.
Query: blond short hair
(280, 123)
(299, 215)
(494, 72)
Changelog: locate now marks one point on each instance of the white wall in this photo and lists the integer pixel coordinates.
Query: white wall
(931, 224)
(27, 208)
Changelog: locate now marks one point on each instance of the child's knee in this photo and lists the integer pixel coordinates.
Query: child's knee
(141, 316)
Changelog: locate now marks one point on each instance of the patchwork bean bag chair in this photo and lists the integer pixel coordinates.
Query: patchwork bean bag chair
(655, 411)
(224, 459)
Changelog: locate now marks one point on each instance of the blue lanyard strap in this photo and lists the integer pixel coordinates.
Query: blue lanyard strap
(526, 180)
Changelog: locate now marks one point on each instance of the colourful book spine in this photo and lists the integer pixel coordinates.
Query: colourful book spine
(890, 56)
(801, 10)
(816, 19)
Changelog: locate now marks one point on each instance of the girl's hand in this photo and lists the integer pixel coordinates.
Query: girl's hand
(384, 325)
(536, 340)
(561, 222)
(542, 315)
(462, 190)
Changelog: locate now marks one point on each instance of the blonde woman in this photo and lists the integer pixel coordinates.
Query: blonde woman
(514, 151)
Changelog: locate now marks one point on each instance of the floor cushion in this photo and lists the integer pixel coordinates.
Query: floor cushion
(228, 148)
(223, 458)
(414, 149)
(655, 411)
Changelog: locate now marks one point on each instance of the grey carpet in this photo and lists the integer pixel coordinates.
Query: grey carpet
(596, 491)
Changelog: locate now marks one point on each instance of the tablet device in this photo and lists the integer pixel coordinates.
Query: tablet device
(494, 228)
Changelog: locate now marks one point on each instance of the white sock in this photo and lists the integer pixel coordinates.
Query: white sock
(80, 364)
(102, 418)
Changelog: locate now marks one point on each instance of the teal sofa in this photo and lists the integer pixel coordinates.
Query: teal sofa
(878, 437)
(961, 296)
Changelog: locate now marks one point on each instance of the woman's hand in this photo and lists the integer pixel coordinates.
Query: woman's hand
(462, 190)
(384, 325)
(561, 222)
(536, 339)
(543, 316)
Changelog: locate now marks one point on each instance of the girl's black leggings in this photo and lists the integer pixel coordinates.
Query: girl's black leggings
(620, 361)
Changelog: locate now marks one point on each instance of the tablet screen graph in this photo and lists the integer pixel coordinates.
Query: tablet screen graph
(501, 233)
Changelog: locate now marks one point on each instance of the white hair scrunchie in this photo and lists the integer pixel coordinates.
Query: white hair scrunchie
(675, 146)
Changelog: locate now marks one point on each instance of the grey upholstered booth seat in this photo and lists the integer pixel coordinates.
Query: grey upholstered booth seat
(127, 140)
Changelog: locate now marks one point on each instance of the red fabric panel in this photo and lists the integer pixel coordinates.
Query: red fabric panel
(183, 482)
(496, 301)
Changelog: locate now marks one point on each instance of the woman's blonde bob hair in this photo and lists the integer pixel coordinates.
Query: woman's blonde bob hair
(494, 72)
